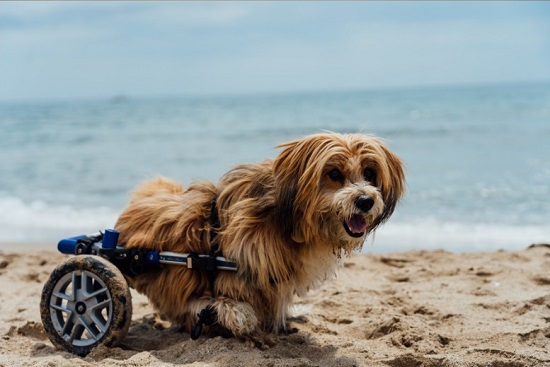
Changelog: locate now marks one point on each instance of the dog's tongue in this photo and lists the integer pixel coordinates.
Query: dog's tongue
(357, 224)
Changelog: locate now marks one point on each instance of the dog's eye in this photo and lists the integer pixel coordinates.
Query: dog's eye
(369, 174)
(335, 175)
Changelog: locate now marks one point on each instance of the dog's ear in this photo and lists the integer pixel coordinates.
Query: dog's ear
(286, 188)
(392, 183)
(296, 181)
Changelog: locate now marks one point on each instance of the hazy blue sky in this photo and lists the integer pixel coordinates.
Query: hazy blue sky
(100, 49)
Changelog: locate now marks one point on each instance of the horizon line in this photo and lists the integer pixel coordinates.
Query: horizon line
(127, 97)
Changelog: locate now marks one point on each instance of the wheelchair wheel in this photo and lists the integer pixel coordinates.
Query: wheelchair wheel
(85, 303)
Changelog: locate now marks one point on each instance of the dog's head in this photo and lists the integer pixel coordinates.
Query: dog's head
(337, 188)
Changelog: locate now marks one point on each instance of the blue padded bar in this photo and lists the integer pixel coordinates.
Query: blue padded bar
(68, 245)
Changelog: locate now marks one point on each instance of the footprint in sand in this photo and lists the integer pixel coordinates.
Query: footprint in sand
(541, 280)
(5, 261)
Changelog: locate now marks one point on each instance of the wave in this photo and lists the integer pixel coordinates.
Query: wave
(38, 221)
(432, 233)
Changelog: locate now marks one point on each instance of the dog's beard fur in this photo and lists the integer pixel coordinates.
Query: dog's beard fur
(286, 222)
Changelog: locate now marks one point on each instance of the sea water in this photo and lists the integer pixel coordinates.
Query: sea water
(477, 158)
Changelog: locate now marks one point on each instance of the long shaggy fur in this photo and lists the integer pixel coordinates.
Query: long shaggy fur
(286, 222)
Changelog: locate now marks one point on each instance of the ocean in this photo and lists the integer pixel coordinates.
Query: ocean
(477, 157)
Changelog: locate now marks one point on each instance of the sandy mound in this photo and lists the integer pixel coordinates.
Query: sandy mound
(409, 309)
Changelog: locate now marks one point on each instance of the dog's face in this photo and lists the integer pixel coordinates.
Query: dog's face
(336, 188)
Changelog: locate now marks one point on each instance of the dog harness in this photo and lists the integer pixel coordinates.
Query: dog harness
(207, 316)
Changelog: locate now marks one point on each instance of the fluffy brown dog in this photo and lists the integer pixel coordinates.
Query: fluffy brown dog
(286, 222)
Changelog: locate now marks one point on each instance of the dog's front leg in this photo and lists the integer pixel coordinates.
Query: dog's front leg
(241, 319)
(237, 317)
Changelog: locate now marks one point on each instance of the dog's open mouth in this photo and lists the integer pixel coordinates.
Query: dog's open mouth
(355, 226)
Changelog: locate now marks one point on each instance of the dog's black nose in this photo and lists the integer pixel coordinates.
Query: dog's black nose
(364, 203)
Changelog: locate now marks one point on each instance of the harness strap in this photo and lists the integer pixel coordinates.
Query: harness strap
(207, 316)
(214, 244)
(215, 226)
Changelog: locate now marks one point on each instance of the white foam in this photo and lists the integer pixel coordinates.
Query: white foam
(431, 233)
(42, 222)
(38, 221)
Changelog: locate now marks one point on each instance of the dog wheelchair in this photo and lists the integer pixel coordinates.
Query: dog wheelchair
(86, 302)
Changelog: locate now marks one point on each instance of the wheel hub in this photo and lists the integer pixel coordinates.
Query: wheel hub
(80, 308)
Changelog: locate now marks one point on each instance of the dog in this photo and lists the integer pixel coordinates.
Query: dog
(286, 222)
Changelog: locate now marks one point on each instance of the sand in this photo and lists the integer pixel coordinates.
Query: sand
(424, 308)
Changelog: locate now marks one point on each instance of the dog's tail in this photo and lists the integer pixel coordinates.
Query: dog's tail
(159, 185)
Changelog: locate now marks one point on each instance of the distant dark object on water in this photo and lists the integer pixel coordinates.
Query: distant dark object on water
(120, 98)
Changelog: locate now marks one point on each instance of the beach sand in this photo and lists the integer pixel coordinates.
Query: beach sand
(424, 308)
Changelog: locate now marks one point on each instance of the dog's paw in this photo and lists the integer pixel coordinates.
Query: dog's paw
(161, 322)
(157, 321)
(238, 317)
(259, 340)
(288, 330)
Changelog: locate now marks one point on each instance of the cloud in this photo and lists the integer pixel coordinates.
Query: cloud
(450, 51)
(59, 49)
(382, 54)
(194, 15)
(41, 14)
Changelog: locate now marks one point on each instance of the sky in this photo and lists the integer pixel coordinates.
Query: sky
(80, 50)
